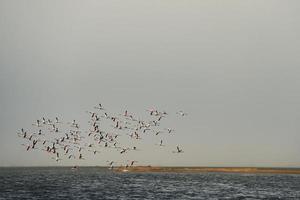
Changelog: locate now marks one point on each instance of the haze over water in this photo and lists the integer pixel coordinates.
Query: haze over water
(233, 66)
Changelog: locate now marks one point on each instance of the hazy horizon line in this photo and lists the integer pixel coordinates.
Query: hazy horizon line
(103, 166)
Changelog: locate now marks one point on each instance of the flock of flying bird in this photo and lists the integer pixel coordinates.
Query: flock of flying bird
(51, 137)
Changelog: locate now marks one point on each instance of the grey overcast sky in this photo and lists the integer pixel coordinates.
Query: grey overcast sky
(234, 66)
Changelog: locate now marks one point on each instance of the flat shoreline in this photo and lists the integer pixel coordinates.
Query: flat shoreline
(244, 170)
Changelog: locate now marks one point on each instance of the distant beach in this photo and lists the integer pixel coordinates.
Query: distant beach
(252, 170)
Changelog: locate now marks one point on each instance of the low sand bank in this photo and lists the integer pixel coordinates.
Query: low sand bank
(209, 169)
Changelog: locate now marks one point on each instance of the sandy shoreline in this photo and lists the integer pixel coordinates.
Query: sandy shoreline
(252, 170)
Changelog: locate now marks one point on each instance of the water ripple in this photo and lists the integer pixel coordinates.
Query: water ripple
(98, 183)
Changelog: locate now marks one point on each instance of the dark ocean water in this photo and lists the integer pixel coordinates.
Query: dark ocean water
(98, 183)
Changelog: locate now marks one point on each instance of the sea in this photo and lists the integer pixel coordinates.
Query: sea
(57, 183)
